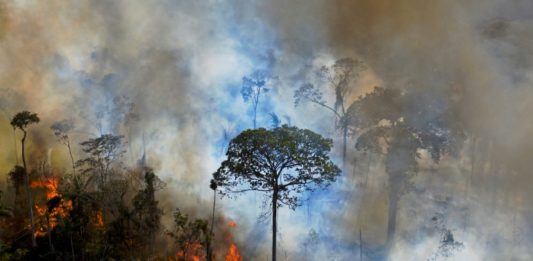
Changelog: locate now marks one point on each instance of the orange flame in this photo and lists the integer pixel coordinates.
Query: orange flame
(60, 211)
(233, 252)
(99, 219)
(50, 185)
(193, 252)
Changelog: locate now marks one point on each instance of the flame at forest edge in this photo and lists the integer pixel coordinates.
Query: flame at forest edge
(194, 251)
(60, 211)
(233, 252)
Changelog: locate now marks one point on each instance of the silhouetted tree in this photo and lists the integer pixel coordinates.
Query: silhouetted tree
(85, 206)
(213, 186)
(61, 131)
(133, 226)
(282, 162)
(338, 77)
(401, 142)
(146, 210)
(386, 126)
(21, 121)
(274, 120)
(121, 236)
(102, 153)
(252, 87)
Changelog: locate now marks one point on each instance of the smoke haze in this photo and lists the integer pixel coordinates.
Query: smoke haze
(167, 75)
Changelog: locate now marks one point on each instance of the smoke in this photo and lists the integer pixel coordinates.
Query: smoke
(167, 75)
(476, 50)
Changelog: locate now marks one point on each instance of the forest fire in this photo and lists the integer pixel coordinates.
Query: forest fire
(54, 208)
(193, 252)
(266, 130)
(50, 184)
(233, 252)
(99, 219)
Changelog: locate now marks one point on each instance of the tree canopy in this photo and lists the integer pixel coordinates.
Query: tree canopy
(282, 162)
(22, 119)
(286, 159)
(102, 153)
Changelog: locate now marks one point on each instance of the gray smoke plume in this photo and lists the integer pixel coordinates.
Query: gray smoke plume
(167, 75)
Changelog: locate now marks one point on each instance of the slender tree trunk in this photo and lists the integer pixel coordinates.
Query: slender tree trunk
(255, 116)
(255, 103)
(344, 141)
(209, 250)
(71, 157)
(274, 222)
(15, 143)
(255, 107)
(28, 191)
(367, 172)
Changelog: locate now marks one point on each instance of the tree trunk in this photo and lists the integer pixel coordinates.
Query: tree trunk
(255, 116)
(344, 141)
(274, 222)
(391, 228)
(15, 142)
(71, 158)
(255, 106)
(28, 191)
(209, 251)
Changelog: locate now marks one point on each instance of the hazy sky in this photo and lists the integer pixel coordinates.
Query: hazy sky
(181, 64)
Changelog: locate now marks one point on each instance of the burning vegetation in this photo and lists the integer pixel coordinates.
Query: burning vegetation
(55, 207)
(100, 210)
(103, 210)
(268, 130)
(233, 252)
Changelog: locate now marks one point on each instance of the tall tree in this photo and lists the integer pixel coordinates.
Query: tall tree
(136, 227)
(386, 126)
(61, 130)
(17, 177)
(85, 205)
(213, 186)
(252, 88)
(282, 163)
(146, 210)
(338, 78)
(378, 117)
(102, 153)
(21, 121)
